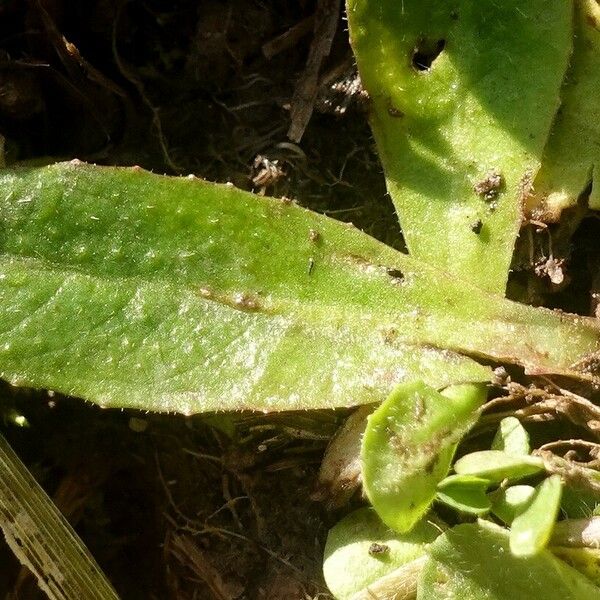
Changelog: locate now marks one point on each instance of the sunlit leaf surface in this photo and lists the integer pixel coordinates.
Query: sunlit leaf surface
(408, 447)
(360, 549)
(133, 289)
(474, 562)
(462, 95)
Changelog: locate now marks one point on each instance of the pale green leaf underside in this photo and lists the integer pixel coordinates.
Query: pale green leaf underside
(473, 562)
(132, 289)
(485, 105)
(348, 565)
(511, 437)
(507, 503)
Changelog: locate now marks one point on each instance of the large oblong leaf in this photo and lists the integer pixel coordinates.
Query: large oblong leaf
(463, 95)
(132, 289)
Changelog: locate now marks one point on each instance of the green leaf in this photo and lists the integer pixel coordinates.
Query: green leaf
(511, 437)
(585, 560)
(579, 503)
(496, 466)
(572, 157)
(508, 502)
(474, 562)
(461, 137)
(532, 528)
(465, 493)
(360, 549)
(408, 447)
(136, 290)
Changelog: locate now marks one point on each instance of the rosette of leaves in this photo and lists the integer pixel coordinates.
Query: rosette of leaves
(130, 289)
(469, 145)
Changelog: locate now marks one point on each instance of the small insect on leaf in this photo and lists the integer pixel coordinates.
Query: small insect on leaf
(531, 529)
(360, 549)
(507, 503)
(409, 444)
(496, 466)
(465, 493)
(511, 437)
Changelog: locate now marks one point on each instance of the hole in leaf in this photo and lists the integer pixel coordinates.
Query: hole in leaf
(425, 53)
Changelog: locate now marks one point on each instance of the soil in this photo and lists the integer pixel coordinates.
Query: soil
(218, 506)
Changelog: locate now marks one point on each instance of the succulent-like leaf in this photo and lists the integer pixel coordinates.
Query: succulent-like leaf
(571, 159)
(473, 562)
(360, 549)
(132, 289)
(462, 99)
(465, 493)
(408, 447)
(532, 528)
(496, 466)
(511, 437)
(508, 502)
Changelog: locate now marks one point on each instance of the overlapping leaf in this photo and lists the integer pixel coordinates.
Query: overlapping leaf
(463, 96)
(473, 562)
(571, 159)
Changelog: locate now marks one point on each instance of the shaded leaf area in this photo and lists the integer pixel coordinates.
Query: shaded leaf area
(408, 447)
(459, 125)
(360, 550)
(42, 538)
(465, 493)
(474, 562)
(585, 560)
(572, 157)
(131, 289)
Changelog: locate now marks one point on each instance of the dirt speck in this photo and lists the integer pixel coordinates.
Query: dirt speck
(525, 187)
(246, 301)
(314, 236)
(393, 111)
(376, 549)
(477, 226)
(490, 186)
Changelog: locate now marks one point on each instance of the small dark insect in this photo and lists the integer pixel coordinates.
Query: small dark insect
(476, 227)
(394, 112)
(314, 236)
(375, 549)
(396, 274)
(311, 265)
